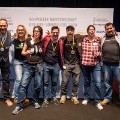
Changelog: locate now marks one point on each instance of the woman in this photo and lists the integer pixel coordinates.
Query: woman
(32, 51)
(19, 39)
(91, 54)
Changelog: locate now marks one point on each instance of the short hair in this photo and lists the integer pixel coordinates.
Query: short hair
(4, 20)
(70, 27)
(109, 23)
(90, 26)
(55, 27)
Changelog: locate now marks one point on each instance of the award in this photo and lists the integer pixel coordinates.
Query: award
(2, 49)
(54, 46)
(72, 52)
(53, 53)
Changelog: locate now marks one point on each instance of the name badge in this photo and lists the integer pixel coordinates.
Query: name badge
(95, 43)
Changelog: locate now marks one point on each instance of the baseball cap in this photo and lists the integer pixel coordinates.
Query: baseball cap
(70, 27)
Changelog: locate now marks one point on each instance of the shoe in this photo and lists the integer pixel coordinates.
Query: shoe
(84, 102)
(26, 100)
(8, 102)
(75, 100)
(99, 106)
(15, 101)
(17, 110)
(63, 100)
(55, 101)
(45, 103)
(37, 106)
(104, 102)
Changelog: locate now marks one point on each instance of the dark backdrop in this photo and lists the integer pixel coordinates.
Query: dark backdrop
(69, 4)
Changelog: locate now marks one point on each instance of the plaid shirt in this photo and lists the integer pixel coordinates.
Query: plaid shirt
(89, 49)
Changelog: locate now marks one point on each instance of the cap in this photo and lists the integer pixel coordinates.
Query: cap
(70, 27)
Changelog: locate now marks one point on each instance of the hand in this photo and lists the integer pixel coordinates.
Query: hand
(48, 33)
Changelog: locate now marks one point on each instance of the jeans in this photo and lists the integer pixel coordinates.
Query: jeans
(110, 71)
(95, 71)
(18, 66)
(51, 72)
(75, 71)
(28, 72)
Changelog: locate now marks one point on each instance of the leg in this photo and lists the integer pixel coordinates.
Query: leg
(18, 76)
(97, 82)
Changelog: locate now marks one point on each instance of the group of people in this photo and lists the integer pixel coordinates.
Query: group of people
(42, 58)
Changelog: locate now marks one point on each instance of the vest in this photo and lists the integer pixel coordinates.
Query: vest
(4, 49)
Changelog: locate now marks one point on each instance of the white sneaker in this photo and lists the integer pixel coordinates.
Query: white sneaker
(84, 102)
(99, 106)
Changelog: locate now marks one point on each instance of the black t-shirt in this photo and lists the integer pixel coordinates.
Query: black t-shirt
(70, 58)
(36, 48)
(18, 46)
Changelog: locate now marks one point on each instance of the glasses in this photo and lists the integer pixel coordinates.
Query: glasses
(3, 26)
(20, 30)
(55, 33)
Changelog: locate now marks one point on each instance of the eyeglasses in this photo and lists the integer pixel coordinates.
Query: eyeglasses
(20, 30)
(55, 33)
(36, 31)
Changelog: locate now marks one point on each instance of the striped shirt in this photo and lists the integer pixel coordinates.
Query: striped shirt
(89, 50)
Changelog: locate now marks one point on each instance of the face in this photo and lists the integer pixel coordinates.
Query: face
(110, 30)
(91, 32)
(36, 33)
(70, 31)
(55, 34)
(20, 31)
(3, 26)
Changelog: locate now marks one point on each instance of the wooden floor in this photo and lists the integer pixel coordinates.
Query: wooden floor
(67, 111)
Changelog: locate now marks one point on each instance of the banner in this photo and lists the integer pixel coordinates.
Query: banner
(80, 18)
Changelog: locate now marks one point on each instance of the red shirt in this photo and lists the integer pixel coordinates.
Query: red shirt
(89, 50)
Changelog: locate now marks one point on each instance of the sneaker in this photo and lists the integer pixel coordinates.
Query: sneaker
(75, 100)
(8, 102)
(84, 102)
(63, 100)
(45, 103)
(99, 106)
(17, 110)
(55, 101)
(104, 102)
(37, 106)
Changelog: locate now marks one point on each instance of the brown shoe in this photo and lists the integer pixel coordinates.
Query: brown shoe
(75, 100)
(26, 100)
(8, 102)
(104, 102)
(15, 101)
(63, 100)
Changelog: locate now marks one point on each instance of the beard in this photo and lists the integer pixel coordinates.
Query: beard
(3, 31)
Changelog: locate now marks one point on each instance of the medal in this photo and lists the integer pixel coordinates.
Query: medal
(53, 53)
(72, 52)
(2, 49)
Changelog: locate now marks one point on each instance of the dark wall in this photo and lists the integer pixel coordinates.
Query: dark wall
(69, 4)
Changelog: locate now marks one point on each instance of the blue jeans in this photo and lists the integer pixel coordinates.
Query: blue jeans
(18, 66)
(30, 71)
(110, 71)
(51, 72)
(95, 71)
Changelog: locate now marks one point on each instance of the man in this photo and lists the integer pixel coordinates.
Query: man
(5, 40)
(72, 57)
(110, 58)
(52, 54)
